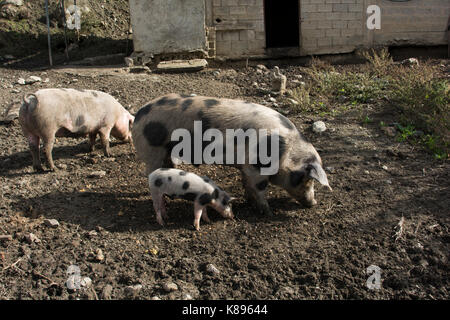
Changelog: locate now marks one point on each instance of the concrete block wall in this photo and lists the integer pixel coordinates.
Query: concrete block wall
(239, 26)
(331, 26)
(416, 22)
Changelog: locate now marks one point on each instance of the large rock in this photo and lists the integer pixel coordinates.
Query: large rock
(13, 9)
(182, 65)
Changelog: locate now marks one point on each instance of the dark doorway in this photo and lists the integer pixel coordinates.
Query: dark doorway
(282, 23)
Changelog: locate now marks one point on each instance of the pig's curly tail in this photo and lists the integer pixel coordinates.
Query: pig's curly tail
(26, 98)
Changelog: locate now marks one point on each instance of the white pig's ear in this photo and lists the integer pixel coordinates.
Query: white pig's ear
(316, 172)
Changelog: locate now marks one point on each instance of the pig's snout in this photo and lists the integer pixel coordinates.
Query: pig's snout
(228, 213)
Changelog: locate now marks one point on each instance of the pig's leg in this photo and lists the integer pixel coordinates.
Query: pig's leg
(33, 143)
(255, 187)
(154, 160)
(198, 210)
(163, 208)
(92, 137)
(205, 215)
(158, 204)
(48, 147)
(104, 136)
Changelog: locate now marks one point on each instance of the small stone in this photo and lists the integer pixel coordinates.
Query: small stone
(129, 61)
(389, 131)
(319, 126)
(272, 99)
(389, 181)
(187, 296)
(97, 174)
(330, 169)
(62, 166)
(261, 67)
(99, 256)
(410, 62)
(33, 79)
(292, 101)
(92, 234)
(107, 292)
(52, 223)
(155, 298)
(193, 95)
(170, 286)
(21, 81)
(31, 238)
(46, 80)
(255, 84)
(14, 2)
(5, 237)
(86, 282)
(385, 168)
(212, 269)
(133, 291)
(366, 172)
(216, 73)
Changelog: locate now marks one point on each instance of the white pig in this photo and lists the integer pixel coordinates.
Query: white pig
(50, 113)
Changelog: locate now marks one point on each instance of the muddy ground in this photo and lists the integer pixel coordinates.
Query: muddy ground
(299, 253)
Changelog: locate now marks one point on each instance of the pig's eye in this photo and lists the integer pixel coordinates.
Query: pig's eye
(225, 200)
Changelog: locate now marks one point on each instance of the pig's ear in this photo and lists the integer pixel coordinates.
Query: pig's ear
(316, 172)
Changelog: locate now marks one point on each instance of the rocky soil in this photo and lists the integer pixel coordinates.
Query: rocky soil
(93, 219)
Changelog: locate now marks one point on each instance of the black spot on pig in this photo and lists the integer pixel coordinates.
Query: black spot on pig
(79, 121)
(190, 196)
(165, 101)
(211, 102)
(182, 173)
(286, 122)
(262, 185)
(142, 112)
(155, 133)
(215, 194)
(186, 104)
(169, 178)
(164, 169)
(226, 199)
(94, 94)
(206, 179)
(185, 185)
(205, 199)
(158, 182)
(296, 177)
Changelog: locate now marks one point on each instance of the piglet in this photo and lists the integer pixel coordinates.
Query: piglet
(50, 113)
(177, 183)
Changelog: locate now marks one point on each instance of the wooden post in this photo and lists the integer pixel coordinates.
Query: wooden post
(63, 12)
(48, 34)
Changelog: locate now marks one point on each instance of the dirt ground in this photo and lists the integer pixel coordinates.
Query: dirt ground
(299, 253)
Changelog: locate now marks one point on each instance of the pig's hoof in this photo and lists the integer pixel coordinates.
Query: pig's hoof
(38, 169)
(266, 211)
